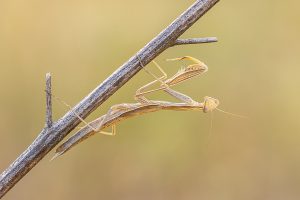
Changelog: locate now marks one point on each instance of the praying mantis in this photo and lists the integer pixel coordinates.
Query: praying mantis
(124, 111)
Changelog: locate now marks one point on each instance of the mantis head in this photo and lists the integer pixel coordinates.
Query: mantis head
(210, 104)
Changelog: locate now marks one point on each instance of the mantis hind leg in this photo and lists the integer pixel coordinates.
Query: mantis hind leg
(74, 112)
(112, 133)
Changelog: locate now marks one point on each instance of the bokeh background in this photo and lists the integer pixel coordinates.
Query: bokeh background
(253, 70)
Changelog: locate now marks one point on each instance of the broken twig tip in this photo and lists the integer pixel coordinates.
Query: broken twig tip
(48, 75)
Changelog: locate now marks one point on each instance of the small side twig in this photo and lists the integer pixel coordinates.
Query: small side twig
(48, 101)
(195, 41)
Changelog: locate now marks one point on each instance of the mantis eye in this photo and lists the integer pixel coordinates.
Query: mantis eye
(210, 104)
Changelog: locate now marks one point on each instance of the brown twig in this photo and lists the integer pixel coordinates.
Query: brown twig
(50, 137)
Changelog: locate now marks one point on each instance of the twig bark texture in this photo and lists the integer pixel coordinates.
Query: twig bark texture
(50, 136)
(48, 101)
(195, 41)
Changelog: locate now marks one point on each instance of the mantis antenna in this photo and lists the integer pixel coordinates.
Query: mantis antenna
(232, 114)
(211, 123)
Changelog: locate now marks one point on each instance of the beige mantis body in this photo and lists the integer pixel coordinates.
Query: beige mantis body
(124, 111)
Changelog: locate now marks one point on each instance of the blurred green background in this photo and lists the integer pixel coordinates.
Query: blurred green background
(253, 70)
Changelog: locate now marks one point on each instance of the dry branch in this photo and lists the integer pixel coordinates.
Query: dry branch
(50, 136)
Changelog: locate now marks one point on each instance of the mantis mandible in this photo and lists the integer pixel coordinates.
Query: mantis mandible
(124, 111)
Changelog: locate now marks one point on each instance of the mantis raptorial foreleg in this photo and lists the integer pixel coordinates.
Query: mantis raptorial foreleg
(182, 75)
(180, 96)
